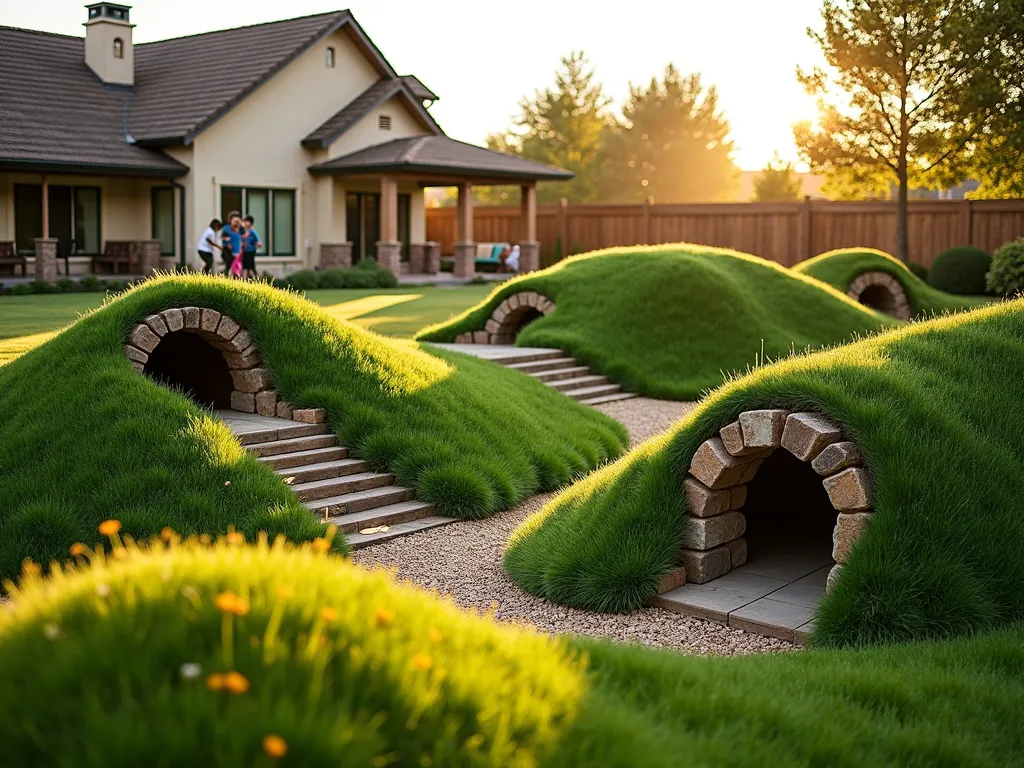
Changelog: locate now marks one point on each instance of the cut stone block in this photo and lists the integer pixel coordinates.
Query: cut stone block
(239, 360)
(850, 489)
(251, 379)
(763, 429)
(174, 318)
(672, 580)
(732, 439)
(464, 338)
(738, 552)
(492, 326)
(227, 328)
(138, 367)
(837, 457)
(310, 415)
(849, 528)
(144, 338)
(751, 470)
(284, 410)
(192, 317)
(136, 355)
(737, 496)
(807, 434)
(513, 301)
(480, 337)
(710, 532)
(702, 567)
(241, 341)
(701, 501)
(716, 467)
(266, 403)
(210, 320)
(243, 401)
(833, 575)
(500, 313)
(547, 306)
(157, 324)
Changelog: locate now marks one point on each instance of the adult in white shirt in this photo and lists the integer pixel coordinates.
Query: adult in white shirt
(209, 240)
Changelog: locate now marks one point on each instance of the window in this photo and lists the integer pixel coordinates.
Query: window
(273, 213)
(330, 58)
(118, 48)
(162, 205)
(384, 122)
(87, 220)
(75, 215)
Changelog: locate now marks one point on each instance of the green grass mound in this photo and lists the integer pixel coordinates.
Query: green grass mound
(839, 268)
(240, 655)
(82, 434)
(671, 321)
(936, 410)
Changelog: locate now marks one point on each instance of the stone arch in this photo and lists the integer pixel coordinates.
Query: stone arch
(509, 318)
(723, 466)
(210, 355)
(881, 291)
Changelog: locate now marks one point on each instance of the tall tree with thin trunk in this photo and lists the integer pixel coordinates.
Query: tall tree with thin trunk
(907, 88)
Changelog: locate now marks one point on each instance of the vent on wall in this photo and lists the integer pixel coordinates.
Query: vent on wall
(384, 122)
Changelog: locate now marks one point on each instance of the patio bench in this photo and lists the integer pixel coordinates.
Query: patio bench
(10, 257)
(489, 254)
(115, 253)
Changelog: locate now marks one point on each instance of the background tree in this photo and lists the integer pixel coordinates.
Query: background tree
(562, 126)
(777, 183)
(672, 144)
(909, 86)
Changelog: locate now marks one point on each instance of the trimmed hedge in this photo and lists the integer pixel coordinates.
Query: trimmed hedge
(961, 271)
(365, 274)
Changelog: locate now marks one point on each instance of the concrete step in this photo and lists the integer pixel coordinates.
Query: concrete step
(277, 447)
(527, 355)
(609, 398)
(282, 433)
(336, 486)
(360, 500)
(323, 470)
(358, 540)
(564, 385)
(391, 514)
(304, 458)
(547, 364)
(586, 393)
(561, 373)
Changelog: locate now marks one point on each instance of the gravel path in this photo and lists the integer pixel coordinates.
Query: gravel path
(463, 561)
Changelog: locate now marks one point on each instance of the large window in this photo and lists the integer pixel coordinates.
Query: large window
(162, 204)
(273, 213)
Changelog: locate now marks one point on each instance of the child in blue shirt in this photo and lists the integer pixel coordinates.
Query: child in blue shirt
(250, 244)
(232, 236)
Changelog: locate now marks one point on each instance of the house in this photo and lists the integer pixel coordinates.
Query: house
(301, 123)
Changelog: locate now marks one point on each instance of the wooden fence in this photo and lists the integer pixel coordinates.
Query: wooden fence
(785, 232)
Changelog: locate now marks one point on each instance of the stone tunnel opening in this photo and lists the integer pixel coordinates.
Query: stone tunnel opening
(879, 297)
(517, 321)
(187, 362)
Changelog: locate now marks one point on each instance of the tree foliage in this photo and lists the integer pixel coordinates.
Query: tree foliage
(777, 183)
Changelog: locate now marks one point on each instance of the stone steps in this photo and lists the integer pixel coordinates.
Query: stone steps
(395, 531)
(609, 398)
(359, 501)
(561, 373)
(564, 373)
(587, 393)
(340, 486)
(578, 383)
(323, 470)
(304, 458)
(391, 514)
(284, 433)
(275, 447)
(547, 364)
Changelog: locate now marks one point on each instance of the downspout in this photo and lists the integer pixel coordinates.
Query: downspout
(181, 221)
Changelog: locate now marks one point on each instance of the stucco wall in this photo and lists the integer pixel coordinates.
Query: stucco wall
(367, 131)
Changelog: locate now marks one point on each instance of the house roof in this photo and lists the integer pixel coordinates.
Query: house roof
(55, 115)
(440, 156)
(361, 105)
(418, 89)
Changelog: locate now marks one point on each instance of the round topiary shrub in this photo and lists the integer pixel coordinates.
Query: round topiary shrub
(960, 270)
(236, 654)
(1006, 276)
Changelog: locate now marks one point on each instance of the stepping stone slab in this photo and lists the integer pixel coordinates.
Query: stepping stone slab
(807, 434)
(850, 489)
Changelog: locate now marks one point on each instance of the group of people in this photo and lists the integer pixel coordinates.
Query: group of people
(238, 241)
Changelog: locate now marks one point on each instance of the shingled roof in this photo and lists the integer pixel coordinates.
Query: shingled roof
(440, 156)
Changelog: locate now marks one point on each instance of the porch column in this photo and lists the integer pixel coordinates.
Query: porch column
(529, 248)
(389, 249)
(46, 246)
(465, 247)
(335, 251)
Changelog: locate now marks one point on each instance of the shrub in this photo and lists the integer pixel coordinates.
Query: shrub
(1006, 277)
(304, 280)
(42, 286)
(65, 285)
(21, 289)
(92, 284)
(366, 274)
(961, 271)
(920, 270)
(366, 264)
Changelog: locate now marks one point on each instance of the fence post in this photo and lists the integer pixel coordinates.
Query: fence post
(803, 238)
(645, 220)
(563, 225)
(966, 221)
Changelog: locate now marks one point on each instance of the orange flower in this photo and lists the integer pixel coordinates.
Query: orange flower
(274, 745)
(434, 635)
(168, 534)
(236, 682)
(321, 545)
(329, 615)
(109, 527)
(229, 602)
(382, 617)
(77, 549)
(215, 682)
(30, 568)
(422, 661)
(235, 538)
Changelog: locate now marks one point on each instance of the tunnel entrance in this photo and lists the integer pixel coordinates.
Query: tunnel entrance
(879, 297)
(519, 319)
(882, 292)
(188, 362)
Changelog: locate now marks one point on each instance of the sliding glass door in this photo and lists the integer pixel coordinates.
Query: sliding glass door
(362, 223)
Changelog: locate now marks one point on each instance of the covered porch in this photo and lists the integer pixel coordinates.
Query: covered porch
(395, 174)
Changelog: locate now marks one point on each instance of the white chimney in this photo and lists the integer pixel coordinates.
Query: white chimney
(108, 43)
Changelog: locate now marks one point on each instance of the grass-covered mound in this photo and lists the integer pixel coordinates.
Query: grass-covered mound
(238, 655)
(82, 434)
(936, 410)
(839, 268)
(670, 321)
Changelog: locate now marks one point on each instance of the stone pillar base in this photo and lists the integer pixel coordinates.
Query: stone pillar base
(149, 257)
(46, 259)
(335, 255)
(529, 256)
(417, 258)
(433, 258)
(389, 256)
(465, 260)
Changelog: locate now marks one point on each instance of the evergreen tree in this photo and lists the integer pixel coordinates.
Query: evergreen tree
(777, 183)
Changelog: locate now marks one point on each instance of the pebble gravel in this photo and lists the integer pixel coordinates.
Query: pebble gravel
(463, 561)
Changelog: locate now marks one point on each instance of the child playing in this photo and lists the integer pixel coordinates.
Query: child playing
(231, 237)
(250, 244)
(207, 243)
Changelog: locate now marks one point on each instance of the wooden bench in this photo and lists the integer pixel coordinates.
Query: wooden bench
(115, 253)
(10, 257)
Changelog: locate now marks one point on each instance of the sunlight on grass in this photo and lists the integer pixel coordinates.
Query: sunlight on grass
(12, 348)
(348, 310)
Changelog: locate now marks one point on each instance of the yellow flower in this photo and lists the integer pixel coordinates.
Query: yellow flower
(321, 545)
(77, 549)
(285, 591)
(235, 538)
(109, 527)
(382, 617)
(274, 745)
(215, 682)
(236, 682)
(422, 661)
(329, 615)
(434, 635)
(229, 602)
